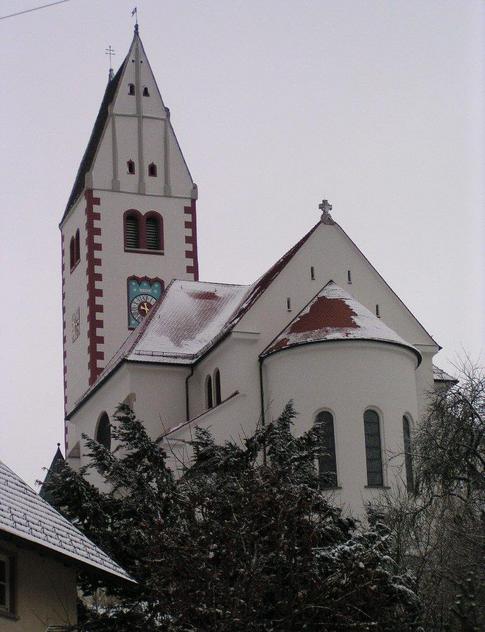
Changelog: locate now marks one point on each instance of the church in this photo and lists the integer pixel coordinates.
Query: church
(321, 327)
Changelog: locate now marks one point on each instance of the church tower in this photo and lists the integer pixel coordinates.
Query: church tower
(129, 227)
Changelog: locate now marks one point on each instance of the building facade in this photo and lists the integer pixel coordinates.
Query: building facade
(321, 327)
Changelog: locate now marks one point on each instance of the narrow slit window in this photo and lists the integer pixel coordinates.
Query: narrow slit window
(408, 456)
(208, 392)
(77, 247)
(349, 277)
(131, 166)
(288, 304)
(131, 89)
(145, 92)
(217, 386)
(312, 273)
(132, 232)
(152, 170)
(72, 253)
(152, 233)
(327, 462)
(373, 450)
(103, 431)
(378, 312)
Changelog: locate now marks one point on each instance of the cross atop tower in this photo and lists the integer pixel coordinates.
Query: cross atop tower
(111, 52)
(326, 207)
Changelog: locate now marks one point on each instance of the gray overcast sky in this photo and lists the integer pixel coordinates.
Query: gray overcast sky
(377, 105)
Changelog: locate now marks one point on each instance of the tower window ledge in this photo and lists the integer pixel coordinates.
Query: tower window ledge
(145, 251)
(75, 266)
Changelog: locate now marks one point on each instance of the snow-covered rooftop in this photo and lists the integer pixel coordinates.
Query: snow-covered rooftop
(335, 315)
(187, 320)
(24, 514)
(442, 376)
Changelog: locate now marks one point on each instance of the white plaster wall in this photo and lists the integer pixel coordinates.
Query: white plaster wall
(118, 265)
(46, 592)
(227, 422)
(236, 357)
(76, 297)
(347, 378)
(157, 394)
(332, 254)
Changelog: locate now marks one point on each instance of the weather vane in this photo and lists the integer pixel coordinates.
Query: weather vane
(111, 52)
(135, 13)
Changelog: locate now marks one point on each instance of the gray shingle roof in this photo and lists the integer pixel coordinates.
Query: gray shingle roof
(24, 514)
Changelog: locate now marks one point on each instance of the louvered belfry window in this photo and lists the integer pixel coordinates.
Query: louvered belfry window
(132, 232)
(373, 450)
(152, 233)
(327, 462)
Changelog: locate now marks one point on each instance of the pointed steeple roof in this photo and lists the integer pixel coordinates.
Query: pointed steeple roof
(115, 102)
(55, 468)
(96, 134)
(335, 315)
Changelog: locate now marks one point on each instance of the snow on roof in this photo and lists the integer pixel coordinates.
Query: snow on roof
(335, 315)
(441, 376)
(186, 321)
(24, 514)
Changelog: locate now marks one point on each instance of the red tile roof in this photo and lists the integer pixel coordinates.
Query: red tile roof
(335, 315)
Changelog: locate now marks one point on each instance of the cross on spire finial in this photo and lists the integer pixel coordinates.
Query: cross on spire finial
(111, 52)
(135, 13)
(326, 207)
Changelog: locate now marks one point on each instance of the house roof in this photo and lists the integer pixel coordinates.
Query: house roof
(442, 376)
(25, 515)
(335, 315)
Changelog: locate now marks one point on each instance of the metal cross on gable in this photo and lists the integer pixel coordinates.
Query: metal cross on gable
(325, 206)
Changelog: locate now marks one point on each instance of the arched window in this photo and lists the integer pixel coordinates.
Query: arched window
(131, 166)
(208, 392)
(132, 231)
(152, 170)
(103, 431)
(217, 386)
(145, 92)
(327, 462)
(77, 247)
(153, 233)
(72, 253)
(373, 450)
(408, 457)
(131, 89)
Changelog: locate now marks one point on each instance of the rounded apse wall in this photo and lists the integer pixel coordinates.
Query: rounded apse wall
(347, 378)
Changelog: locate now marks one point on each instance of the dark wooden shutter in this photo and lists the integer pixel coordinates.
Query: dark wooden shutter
(132, 232)
(327, 462)
(373, 451)
(152, 233)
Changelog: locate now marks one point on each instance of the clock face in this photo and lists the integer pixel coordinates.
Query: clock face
(143, 293)
(141, 305)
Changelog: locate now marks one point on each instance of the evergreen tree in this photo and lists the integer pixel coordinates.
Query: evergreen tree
(243, 540)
